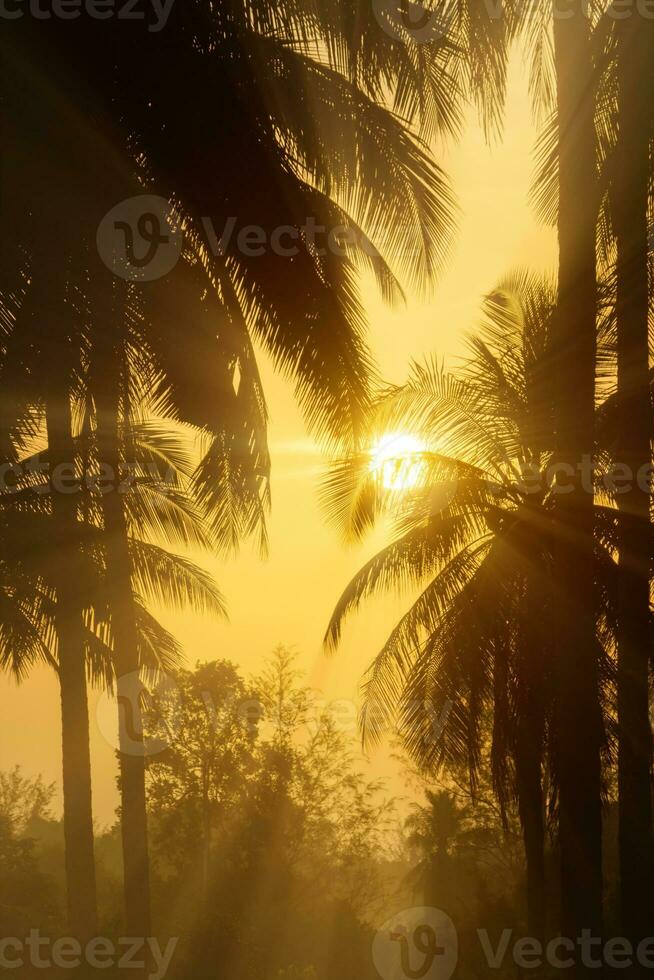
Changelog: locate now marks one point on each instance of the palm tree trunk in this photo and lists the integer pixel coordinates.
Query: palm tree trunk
(578, 727)
(78, 814)
(134, 825)
(531, 807)
(529, 749)
(630, 207)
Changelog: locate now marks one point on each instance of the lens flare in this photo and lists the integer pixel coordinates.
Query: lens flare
(398, 461)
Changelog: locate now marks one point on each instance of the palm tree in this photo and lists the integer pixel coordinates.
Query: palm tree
(481, 531)
(630, 210)
(228, 494)
(154, 575)
(68, 573)
(574, 354)
(73, 385)
(305, 140)
(578, 153)
(30, 621)
(304, 111)
(280, 170)
(433, 829)
(623, 123)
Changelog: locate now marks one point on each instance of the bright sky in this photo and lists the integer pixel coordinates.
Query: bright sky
(288, 598)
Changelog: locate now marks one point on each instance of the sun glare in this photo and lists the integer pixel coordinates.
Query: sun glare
(398, 461)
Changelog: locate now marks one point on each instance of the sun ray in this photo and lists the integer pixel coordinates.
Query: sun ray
(398, 459)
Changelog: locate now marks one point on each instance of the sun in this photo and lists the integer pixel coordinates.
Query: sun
(398, 461)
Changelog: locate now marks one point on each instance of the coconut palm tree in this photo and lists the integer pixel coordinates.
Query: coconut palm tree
(479, 532)
(629, 199)
(29, 629)
(304, 108)
(306, 142)
(567, 79)
(155, 575)
(433, 827)
(622, 50)
(574, 354)
(229, 494)
(68, 363)
(279, 171)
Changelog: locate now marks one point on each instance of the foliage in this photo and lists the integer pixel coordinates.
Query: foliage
(473, 547)
(28, 895)
(295, 858)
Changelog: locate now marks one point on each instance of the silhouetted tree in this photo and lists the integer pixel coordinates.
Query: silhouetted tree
(478, 533)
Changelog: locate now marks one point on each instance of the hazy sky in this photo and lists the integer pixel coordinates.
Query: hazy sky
(288, 598)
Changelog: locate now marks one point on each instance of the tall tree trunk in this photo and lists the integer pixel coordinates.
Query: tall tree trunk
(206, 845)
(124, 628)
(531, 807)
(630, 211)
(529, 750)
(78, 815)
(578, 727)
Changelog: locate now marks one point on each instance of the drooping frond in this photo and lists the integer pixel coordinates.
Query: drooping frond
(172, 580)
(403, 564)
(386, 678)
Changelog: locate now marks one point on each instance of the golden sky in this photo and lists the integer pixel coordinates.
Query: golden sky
(288, 598)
